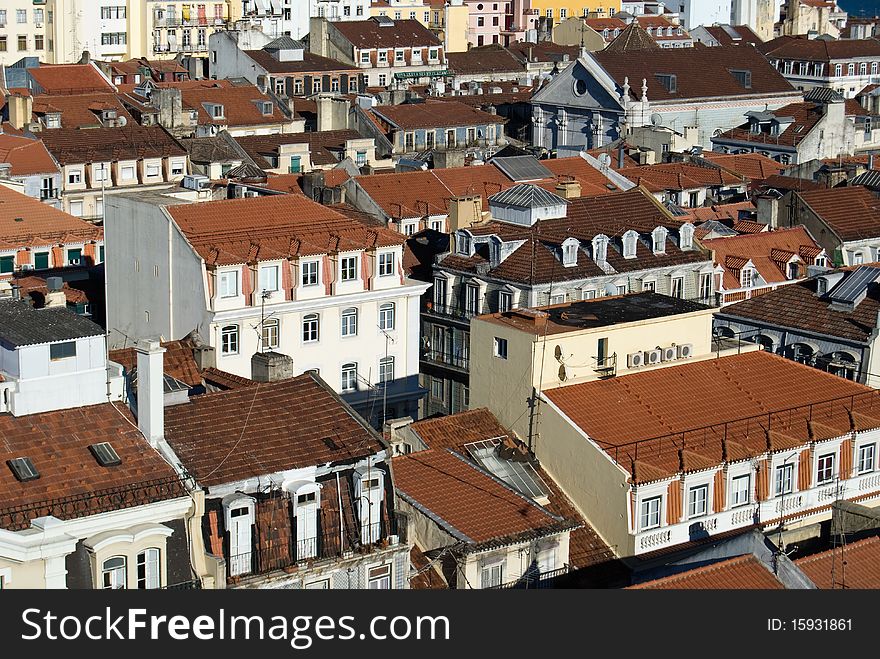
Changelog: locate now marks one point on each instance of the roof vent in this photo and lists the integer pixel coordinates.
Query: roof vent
(105, 454)
(23, 469)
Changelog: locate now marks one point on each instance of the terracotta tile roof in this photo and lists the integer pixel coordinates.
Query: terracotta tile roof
(133, 66)
(355, 213)
(434, 114)
(678, 176)
(543, 51)
(34, 287)
(805, 115)
(288, 183)
(68, 470)
(178, 361)
(27, 222)
(325, 147)
(819, 50)
(796, 306)
(740, 573)
(586, 547)
(72, 146)
(225, 232)
(739, 390)
(744, 35)
(769, 252)
(403, 34)
(308, 64)
(240, 107)
(27, 156)
(779, 182)
(427, 577)
(225, 381)
(469, 503)
(80, 110)
(633, 38)
(254, 431)
(70, 79)
(715, 63)
(721, 212)
(484, 60)
(853, 565)
(537, 259)
(853, 213)
(749, 165)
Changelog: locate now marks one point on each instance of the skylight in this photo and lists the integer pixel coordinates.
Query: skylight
(105, 454)
(521, 476)
(23, 469)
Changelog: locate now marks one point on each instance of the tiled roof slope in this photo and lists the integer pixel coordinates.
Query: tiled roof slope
(720, 212)
(78, 110)
(484, 60)
(753, 166)
(796, 306)
(805, 115)
(434, 114)
(177, 361)
(632, 38)
(320, 143)
(639, 419)
(853, 213)
(72, 146)
(678, 176)
(586, 548)
(854, 565)
(744, 33)
(769, 251)
(69, 471)
(239, 103)
(25, 222)
(70, 79)
(254, 431)
(309, 63)
(819, 50)
(272, 227)
(740, 573)
(369, 34)
(27, 156)
(468, 502)
(714, 63)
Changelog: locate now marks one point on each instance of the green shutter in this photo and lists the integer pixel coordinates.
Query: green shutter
(74, 256)
(41, 260)
(7, 264)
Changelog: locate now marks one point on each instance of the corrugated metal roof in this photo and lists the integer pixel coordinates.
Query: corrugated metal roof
(527, 195)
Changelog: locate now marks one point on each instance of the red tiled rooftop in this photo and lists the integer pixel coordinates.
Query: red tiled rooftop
(25, 222)
(79, 110)
(740, 573)
(178, 361)
(70, 79)
(753, 166)
(852, 565)
(853, 213)
(434, 114)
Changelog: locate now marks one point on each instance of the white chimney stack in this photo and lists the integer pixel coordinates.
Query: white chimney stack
(150, 391)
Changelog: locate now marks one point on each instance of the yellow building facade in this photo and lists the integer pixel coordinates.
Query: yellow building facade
(562, 9)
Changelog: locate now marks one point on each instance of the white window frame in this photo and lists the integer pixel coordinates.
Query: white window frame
(739, 495)
(647, 513)
(348, 268)
(698, 507)
(228, 283)
(229, 340)
(349, 322)
(116, 577)
(270, 333)
(492, 575)
(783, 479)
(149, 562)
(867, 459)
(310, 273)
(382, 576)
(825, 465)
(499, 347)
(505, 301)
(269, 282)
(387, 313)
(386, 264)
(311, 328)
(386, 369)
(348, 377)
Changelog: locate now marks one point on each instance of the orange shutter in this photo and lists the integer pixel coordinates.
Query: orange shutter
(673, 502)
(805, 470)
(400, 272)
(365, 271)
(762, 485)
(247, 283)
(57, 257)
(89, 253)
(22, 257)
(846, 458)
(328, 276)
(718, 495)
(212, 275)
(286, 278)
(632, 508)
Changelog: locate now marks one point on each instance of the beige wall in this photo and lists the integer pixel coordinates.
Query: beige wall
(17, 576)
(573, 32)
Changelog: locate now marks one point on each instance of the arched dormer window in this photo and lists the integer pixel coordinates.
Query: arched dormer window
(658, 237)
(600, 248)
(463, 243)
(630, 244)
(570, 252)
(686, 235)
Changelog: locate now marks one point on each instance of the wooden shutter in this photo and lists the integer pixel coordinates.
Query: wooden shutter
(57, 257)
(673, 502)
(328, 275)
(846, 458)
(89, 253)
(287, 278)
(762, 484)
(247, 284)
(718, 493)
(365, 270)
(805, 470)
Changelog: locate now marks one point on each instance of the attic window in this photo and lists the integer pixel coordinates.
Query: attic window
(659, 239)
(23, 469)
(569, 253)
(105, 454)
(668, 81)
(743, 77)
(53, 120)
(630, 239)
(267, 108)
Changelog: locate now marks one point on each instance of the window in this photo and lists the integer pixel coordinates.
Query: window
(851, 69)
(120, 38)
(784, 479)
(74, 176)
(505, 301)
(2, 18)
(677, 287)
(866, 458)
(361, 158)
(62, 350)
(438, 387)
(858, 258)
(7, 264)
(433, 53)
(74, 256)
(41, 260)
(492, 576)
(588, 295)
(386, 264)
(825, 470)
(386, 369)
(705, 286)
(740, 486)
(365, 57)
(152, 170)
(324, 584)
(569, 254)
(349, 377)
(3, 47)
(148, 569)
(229, 340)
(39, 42)
(398, 57)
(177, 168)
(21, 16)
(500, 348)
(349, 268)
(310, 328)
(649, 285)
(128, 173)
(113, 573)
(269, 278)
(309, 274)
(386, 316)
(383, 55)
(650, 514)
(472, 299)
(746, 278)
(229, 283)
(440, 292)
(350, 322)
(76, 208)
(698, 501)
(379, 578)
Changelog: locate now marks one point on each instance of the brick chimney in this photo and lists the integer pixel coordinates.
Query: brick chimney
(568, 189)
(21, 108)
(464, 211)
(151, 392)
(271, 367)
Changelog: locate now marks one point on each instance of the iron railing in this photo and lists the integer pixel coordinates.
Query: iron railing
(534, 579)
(451, 311)
(456, 360)
(193, 584)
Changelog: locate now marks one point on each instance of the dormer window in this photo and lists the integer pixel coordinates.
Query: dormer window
(658, 237)
(369, 490)
(463, 243)
(668, 81)
(215, 110)
(266, 108)
(743, 77)
(630, 243)
(53, 120)
(821, 286)
(570, 252)
(600, 248)
(686, 236)
(746, 277)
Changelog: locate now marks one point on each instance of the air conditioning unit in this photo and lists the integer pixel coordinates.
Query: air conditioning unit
(635, 359)
(685, 350)
(27, 266)
(653, 356)
(669, 354)
(251, 193)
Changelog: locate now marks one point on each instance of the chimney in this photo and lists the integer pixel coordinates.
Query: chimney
(568, 189)
(55, 297)
(464, 212)
(20, 109)
(271, 367)
(620, 157)
(205, 357)
(151, 393)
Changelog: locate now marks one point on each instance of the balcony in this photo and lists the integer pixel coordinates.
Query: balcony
(605, 367)
(449, 311)
(534, 579)
(453, 360)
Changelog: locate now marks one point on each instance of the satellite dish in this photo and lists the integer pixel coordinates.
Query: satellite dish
(558, 353)
(605, 160)
(656, 119)
(562, 374)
